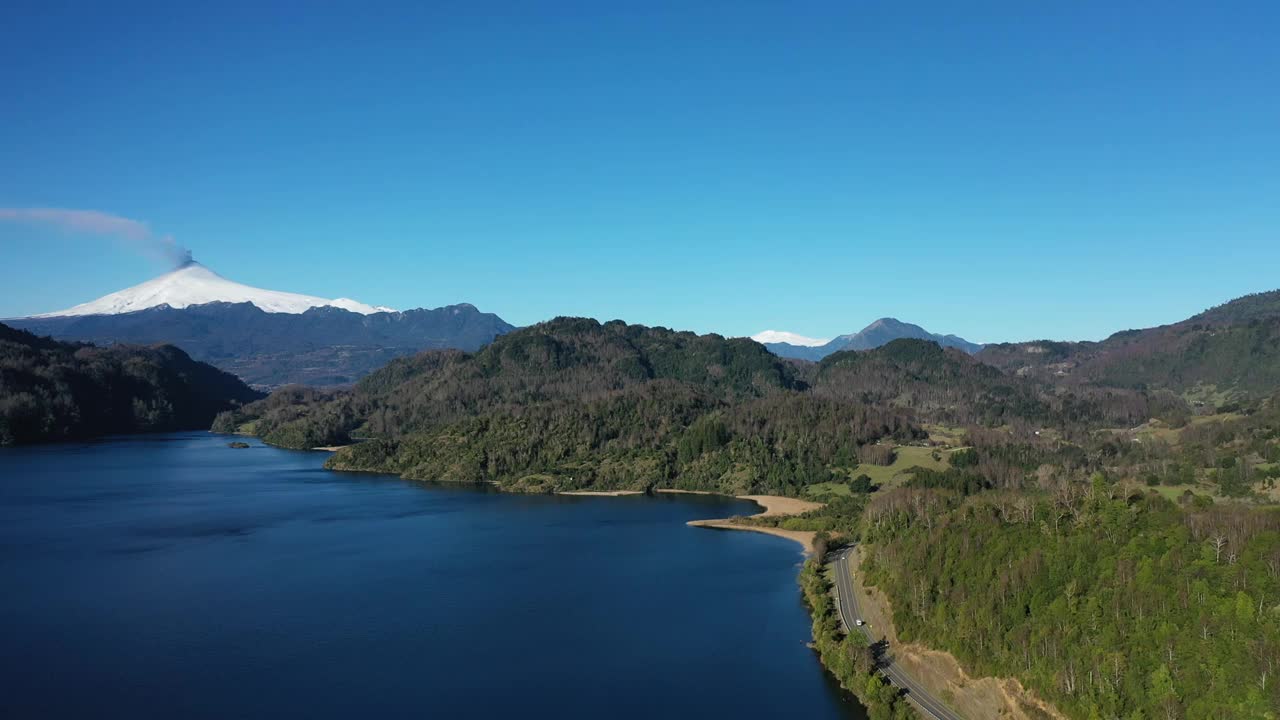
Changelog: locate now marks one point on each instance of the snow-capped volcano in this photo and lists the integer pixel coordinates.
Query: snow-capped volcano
(195, 284)
(781, 336)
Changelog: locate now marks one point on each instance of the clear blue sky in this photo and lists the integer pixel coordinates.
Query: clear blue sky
(996, 170)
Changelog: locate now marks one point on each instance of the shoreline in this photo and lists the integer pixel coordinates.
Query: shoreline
(771, 506)
(804, 537)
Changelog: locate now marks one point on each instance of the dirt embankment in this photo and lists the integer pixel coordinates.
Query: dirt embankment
(940, 673)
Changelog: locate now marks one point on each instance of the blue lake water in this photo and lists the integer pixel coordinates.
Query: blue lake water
(171, 576)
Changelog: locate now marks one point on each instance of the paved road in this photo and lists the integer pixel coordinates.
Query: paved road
(847, 601)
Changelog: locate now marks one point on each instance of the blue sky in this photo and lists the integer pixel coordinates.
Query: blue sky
(996, 170)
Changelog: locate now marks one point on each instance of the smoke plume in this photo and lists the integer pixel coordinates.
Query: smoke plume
(135, 234)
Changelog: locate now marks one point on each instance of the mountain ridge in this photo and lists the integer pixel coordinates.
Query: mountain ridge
(876, 334)
(573, 403)
(1230, 351)
(323, 345)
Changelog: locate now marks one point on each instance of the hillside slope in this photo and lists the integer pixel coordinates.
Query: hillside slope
(1230, 352)
(51, 390)
(949, 386)
(572, 403)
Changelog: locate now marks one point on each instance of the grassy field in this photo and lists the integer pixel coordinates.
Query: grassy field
(1207, 396)
(1156, 430)
(908, 457)
(945, 434)
(1173, 492)
(829, 489)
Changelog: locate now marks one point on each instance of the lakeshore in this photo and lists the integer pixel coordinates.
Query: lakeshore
(773, 506)
(358, 593)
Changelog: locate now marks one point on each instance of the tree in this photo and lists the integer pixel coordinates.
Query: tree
(1162, 691)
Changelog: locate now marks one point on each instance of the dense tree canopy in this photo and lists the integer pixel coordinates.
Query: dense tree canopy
(51, 390)
(574, 403)
(1231, 351)
(1107, 544)
(1110, 603)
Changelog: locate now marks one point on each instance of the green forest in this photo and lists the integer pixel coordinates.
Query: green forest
(52, 390)
(1112, 545)
(573, 404)
(1231, 352)
(1109, 602)
(847, 656)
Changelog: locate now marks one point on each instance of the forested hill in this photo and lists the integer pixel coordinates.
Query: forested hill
(574, 403)
(1095, 543)
(1225, 354)
(1256, 306)
(1108, 601)
(51, 390)
(948, 385)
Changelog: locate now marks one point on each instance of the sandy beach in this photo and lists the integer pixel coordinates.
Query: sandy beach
(602, 493)
(778, 505)
(774, 505)
(804, 537)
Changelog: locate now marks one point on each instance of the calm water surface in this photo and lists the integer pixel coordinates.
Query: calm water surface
(171, 576)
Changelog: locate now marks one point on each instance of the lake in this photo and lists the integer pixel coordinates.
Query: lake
(172, 576)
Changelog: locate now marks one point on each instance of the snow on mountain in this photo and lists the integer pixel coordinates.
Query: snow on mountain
(781, 336)
(195, 284)
(356, 306)
(881, 332)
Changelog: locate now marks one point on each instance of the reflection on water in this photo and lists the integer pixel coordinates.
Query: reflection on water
(171, 576)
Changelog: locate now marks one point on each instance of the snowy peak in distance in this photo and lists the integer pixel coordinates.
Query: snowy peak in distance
(195, 284)
(782, 336)
(878, 333)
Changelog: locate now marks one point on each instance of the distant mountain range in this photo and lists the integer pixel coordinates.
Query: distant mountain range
(879, 333)
(268, 338)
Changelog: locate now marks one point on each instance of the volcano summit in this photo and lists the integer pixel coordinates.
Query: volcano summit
(267, 337)
(194, 284)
